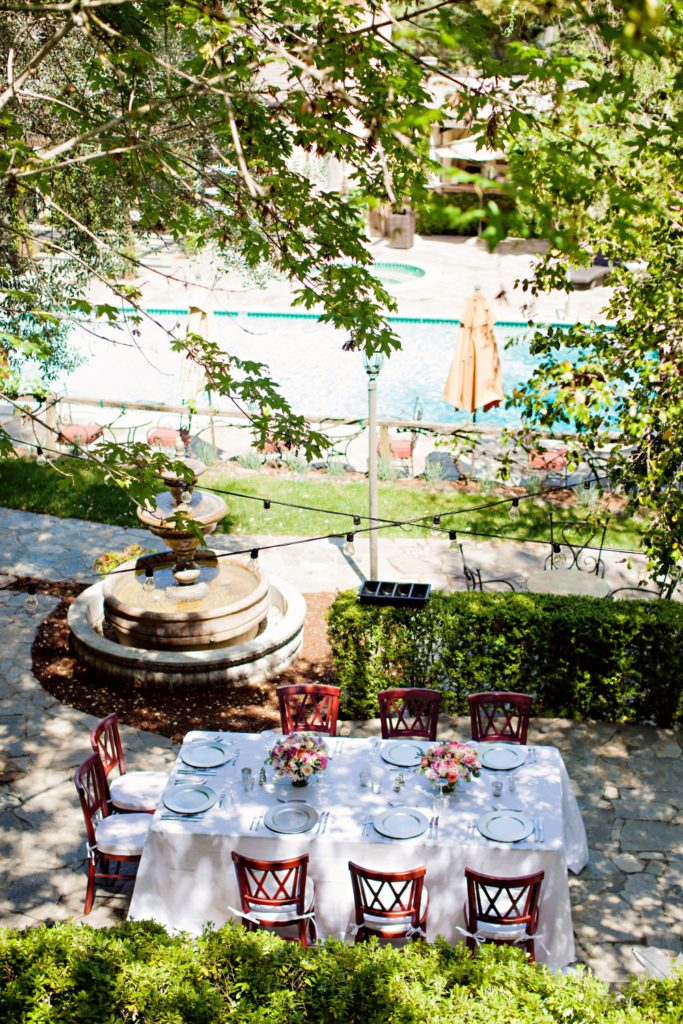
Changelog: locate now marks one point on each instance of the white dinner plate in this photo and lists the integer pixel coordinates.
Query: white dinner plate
(190, 799)
(501, 757)
(401, 823)
(403, 754)
(207, 753)
(291, 818)
(505, 826)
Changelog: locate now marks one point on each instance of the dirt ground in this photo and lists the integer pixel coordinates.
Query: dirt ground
(174, 711)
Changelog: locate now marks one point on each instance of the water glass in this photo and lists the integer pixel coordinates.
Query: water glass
(497, 788)
(248, 780)
(364, 778)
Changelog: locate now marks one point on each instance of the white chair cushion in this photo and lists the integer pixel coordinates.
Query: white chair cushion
(280, 915)
(124, 834)
(502, 932)
(137, 791)
(395, 925)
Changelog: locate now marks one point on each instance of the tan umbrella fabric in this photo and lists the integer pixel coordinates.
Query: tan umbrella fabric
(475, 380)
(191, 379)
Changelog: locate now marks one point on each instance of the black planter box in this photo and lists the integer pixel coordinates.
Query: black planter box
(402, 595)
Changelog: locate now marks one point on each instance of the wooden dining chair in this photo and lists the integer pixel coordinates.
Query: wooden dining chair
(389, 904)
(309, 707)
(409, 712)
(129, 791)
(112, 838)
(502, 910)
(499, 716)
(277, 894)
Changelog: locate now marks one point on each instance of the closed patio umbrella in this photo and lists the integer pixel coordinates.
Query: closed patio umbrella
(475, 380)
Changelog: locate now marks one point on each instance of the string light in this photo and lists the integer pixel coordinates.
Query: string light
(253, 554)
(31, 602)
(436, 526)
(356, 520)
(453, 538)
(513, 511)
(559, 557)
(149, 583)
(186, 497)
(349, 547)
(41, 457)
(266, 504)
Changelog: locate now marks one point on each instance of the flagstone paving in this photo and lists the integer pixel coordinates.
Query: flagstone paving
(628, 779)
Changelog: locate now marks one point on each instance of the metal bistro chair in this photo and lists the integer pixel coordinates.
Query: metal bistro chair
(572, 547)
(409, 712)
(309, 707)
(276, 894)
(502, 910)
(112, 838)
(129, 791)
(389, 904)
(500, 716)
(473, 580)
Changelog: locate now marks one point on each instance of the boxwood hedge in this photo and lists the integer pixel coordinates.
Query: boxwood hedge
(579, 657)
(74, 974)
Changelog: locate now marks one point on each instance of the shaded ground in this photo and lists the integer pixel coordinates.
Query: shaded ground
(174, 711)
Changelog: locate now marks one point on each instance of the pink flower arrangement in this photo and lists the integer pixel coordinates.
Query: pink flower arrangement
(450, 761)
(298, 756)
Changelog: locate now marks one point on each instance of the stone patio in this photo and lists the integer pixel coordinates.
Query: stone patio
(628, 779)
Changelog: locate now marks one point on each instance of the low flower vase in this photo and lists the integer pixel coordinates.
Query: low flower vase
(449, 787)
(299, 783)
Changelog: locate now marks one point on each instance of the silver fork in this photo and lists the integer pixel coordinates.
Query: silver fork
(538, 830)
(436, 828)
(322, 822)
(430, 834)
(256, 823)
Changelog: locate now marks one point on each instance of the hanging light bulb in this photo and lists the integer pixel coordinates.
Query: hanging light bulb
(559, 557)
(41, 457)
(149, 583)
(266, 504)
(253, 554)
(31, 602)
(453, 538)
(186, 497)
(436, 528)
(356, 520)
(586, 485)
(349, 548)
(513, 511)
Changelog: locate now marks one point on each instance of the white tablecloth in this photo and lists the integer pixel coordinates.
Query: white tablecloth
(186, 877)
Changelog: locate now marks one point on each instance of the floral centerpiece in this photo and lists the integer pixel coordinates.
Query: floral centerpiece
(298, 756)
(446, 763)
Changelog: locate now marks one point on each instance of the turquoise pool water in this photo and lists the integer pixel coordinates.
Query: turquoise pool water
(304, 357)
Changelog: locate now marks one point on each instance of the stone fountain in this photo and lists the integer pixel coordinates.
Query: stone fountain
(187, 615)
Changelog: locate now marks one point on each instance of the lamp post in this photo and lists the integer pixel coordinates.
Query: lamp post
(373, 365)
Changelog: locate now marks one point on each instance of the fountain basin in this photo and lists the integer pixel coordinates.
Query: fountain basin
(248, 663)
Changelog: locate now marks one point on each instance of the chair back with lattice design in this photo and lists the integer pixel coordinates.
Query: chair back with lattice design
(409, 712)
(500, 716)
(105, 740)
(93, 791)
(267, 885)
(309, 708)
(387, 898)
(577, 544)
(502, 902)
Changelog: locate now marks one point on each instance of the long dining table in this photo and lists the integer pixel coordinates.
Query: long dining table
(186, 878)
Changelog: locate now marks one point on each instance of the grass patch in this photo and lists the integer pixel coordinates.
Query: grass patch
(82, 494)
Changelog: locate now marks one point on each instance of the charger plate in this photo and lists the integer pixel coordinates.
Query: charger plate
(401, 823)
(402, 754)
(501, 757)
(505, 826)
(291, 818)
(207, 753)
(190, 799)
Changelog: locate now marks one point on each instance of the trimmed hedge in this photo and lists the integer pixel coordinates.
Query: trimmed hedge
(619, 661)
(74, 974)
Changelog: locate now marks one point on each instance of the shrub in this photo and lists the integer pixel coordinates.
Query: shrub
(136, 972)
(578, 657)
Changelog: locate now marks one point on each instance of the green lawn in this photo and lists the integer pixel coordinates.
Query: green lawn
(79, 491)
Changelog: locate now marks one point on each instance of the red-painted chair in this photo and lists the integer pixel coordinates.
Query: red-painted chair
(502, 910)
(112, 838)
(80, 433)
(130, 791)
(164, 437)
(500, 717)
(309, 708)
(409, 712)
(277, 894)
(389, 904)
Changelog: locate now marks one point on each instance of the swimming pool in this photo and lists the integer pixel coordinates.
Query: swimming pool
(304, 356)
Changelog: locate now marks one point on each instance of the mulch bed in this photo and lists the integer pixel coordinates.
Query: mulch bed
(174, 711)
